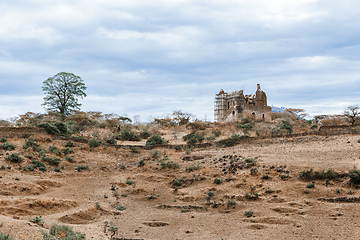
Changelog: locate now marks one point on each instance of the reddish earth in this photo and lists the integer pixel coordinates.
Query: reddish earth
(155, 202)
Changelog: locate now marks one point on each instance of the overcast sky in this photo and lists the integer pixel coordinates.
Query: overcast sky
(149, 58)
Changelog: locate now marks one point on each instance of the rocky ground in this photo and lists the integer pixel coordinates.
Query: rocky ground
(249, 191)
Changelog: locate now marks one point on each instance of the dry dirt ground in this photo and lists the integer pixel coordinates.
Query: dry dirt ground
(156, 201)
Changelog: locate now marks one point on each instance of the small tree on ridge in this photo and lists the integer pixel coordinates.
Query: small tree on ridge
(352, 113)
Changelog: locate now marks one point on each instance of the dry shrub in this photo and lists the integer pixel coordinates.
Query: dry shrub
(198, 125)
(263, 130)
(4, 123)
(331, 120)
(164, 122)
(81, 120)
(98, 133)
(277, 115)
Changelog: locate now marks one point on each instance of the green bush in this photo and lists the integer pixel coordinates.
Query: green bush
(69, 144)
(318, 175)
(28, 143)
(230, 203)
(14, 157)
(231, 141)
(128, 135)
(210, 195)
(310, 185)
(129, 182)
(82, 167)
(145, 134)
(155, 140)
(29, 167)
(43, 169)
(38, 164)
(218, 181)
(178, 182)
(62, 232)
(69, 159)
(155, 154)
(93, 143)
(68, 150)
(248, 213)
(169, 164)
(63, 128)
(50, 128)
(141, 163)
(4, 236)
(285, 125)
(5, 140)
(7, 146)
(246, 128)
(58, 128)
(354, 177)
(192, 168)
(193, 138)
(133, 149)
(111, 140)
(38, 220)
(251, 196)
(35, 164)
(216, 133)
(121, 208)
(177, 147)
(55, 150)
(51, 161)
(52, 148)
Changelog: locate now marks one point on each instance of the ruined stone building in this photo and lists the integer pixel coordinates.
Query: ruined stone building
(232, 106)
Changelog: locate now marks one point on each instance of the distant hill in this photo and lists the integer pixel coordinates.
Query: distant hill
(277, 109)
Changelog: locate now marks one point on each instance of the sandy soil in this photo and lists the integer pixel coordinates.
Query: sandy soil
(155, 202)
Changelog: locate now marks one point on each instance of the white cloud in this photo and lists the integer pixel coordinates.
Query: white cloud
(13, 106)
(154, 57)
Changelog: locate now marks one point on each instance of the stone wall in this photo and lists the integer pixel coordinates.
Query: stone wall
(11, 132)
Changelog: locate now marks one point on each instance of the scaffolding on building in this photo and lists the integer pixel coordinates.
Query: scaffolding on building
(219, 107)
(226, 104)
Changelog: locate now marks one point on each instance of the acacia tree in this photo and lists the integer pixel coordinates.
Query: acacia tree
(62, 92)
(352, 113)
(181, 118)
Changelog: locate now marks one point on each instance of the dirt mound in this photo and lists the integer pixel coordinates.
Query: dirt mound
(24, 189)
(256, 226)
(35, 206)
(81, 217)
(269, 220)
(48, 183)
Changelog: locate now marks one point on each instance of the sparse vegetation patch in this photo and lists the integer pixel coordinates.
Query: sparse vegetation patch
(15, 158)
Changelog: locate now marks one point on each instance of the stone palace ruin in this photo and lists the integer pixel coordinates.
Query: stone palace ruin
(232, 106)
